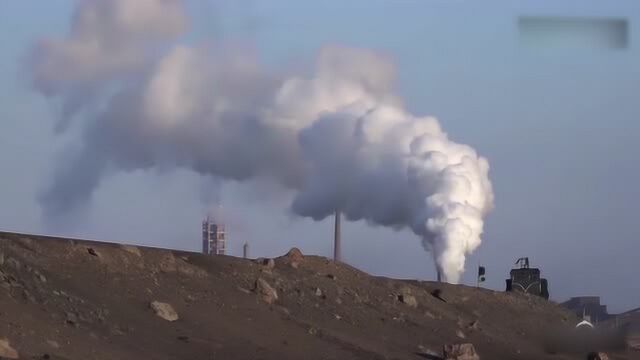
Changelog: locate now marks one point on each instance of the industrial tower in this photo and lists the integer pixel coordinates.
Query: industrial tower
(214, 239)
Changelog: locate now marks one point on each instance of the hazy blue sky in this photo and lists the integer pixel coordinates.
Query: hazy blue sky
(559, 127)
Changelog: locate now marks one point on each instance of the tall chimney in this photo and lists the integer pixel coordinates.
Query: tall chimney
(336, 237)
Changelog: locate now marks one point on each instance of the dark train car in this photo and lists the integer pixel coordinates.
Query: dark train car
(527, 280)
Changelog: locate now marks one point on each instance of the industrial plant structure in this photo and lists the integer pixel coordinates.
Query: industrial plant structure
(527, 280)
(214, 237)
(336, 237)
(588, 308)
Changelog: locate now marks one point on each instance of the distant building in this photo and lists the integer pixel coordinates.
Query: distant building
(214, 237)
(527, 280)
(588, 308)
(630, 321)
(631, 317)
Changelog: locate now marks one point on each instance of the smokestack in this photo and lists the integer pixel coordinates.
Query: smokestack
(245, 250)
(336, 237)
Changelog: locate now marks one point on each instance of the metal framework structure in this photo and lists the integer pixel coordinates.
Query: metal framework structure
(527, 280)
(214, 237)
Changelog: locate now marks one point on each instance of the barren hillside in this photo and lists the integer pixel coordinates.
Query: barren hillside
(69, 299)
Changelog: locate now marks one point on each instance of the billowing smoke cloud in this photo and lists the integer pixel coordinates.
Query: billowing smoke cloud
(337, 136)
(108, 40)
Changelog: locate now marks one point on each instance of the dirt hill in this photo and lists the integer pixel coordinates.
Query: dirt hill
(69, 299)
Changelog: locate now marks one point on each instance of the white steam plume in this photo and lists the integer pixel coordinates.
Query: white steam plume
(338, 138)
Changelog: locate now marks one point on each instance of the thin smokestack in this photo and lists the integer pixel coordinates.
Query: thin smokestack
(336, 237)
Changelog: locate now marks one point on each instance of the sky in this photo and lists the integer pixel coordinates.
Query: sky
(558, 126)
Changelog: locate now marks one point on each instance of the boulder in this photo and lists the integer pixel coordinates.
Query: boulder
(438, 294)
(266, 291)
(6, 351)
(295, 257)
(71, 318)
(406, 298)
(460, 352)
(428, 353)
(268, 263)
(40, 277)
(168, 263)
(131, 250)
(164, 310)
(191, 270)
(13, 264)
(597, 356)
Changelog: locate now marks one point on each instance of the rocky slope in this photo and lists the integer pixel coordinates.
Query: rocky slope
(69, 299)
